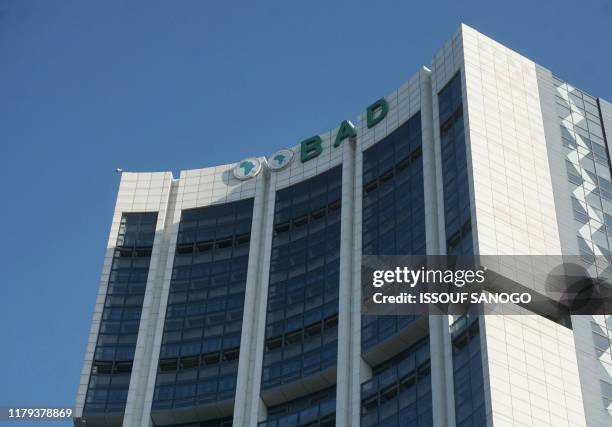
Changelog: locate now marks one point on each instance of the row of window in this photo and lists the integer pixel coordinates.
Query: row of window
(195, 393)
(400, 390)
(229, 303)
(303, 270)
(219, 422)
(316, 232)
(203, 247)
(200, 360)
(301, 320)
(310, 217)
(301, 301)
(314, 409)
(376, 329)
(300, 365)
(210, 271)
(303, 334)
(204, 345)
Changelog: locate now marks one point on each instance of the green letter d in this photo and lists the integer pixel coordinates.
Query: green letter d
(381, 107)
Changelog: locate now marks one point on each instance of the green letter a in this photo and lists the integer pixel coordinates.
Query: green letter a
(346, 130)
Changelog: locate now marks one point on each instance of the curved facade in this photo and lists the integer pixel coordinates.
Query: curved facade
(301, 338)
(198, 358)
(231, 295)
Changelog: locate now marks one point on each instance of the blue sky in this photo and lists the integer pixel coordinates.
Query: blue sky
(86, 87)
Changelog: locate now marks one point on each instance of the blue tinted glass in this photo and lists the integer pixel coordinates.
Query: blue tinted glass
(219, 422)
(302, 313)
(198, 358)
(467, 370)
(393, 211)
(315, 409)
(457, 217)
(114, 353)
(399, 393)
(467, 364)
(394, 224)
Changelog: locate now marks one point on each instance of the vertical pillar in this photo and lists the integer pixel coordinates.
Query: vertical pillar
(440, 346)
(247, 403)
(345, 386)
(143, 359)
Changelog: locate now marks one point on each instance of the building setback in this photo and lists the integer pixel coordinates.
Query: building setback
(232, 296)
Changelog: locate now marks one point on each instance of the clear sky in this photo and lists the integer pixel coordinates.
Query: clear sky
(86, 87)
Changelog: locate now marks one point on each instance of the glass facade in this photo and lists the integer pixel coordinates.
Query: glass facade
(588, 172)
(302, 314)
(201, 267)
(198, 359)
(467, 371)
(399, 394)
(601, 331)
(114, 354)
(393, 211)
(219, 422)
(314, 410)
(467, 357)
(394, 224)
(457, 216)
(588, 169)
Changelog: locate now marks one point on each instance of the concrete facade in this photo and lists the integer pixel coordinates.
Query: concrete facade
(535, 371)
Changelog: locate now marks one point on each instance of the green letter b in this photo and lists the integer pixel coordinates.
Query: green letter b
(311, 148)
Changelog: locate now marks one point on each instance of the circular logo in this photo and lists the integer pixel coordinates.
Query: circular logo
(280, 159)
(247, 168)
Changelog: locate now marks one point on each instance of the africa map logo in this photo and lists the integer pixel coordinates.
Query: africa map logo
(280, 159)
(247, 168)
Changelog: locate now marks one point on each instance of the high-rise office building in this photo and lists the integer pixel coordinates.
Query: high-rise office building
(232, 295)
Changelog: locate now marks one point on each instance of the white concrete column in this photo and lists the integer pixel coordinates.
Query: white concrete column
(143, 419)
(247, 403)
(346, 389)
(359, 369)
(143, 359)
(440, 344)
